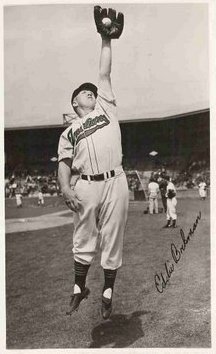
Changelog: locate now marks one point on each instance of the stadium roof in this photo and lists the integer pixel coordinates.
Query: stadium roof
(54, 126)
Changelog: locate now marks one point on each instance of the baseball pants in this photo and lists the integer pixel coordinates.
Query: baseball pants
(202, 193)
(101, 220)
(153, 205)
(171, 208)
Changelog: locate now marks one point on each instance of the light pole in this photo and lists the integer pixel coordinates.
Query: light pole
(153, 154)
(54, 159)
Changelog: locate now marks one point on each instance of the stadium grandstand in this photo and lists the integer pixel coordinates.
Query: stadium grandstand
(181, 144)
(179, 140)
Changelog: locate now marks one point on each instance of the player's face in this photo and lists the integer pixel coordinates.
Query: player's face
(86, 99)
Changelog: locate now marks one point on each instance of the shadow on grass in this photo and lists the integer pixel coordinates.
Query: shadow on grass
(119, 332)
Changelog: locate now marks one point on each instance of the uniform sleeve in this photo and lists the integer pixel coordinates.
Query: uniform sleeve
(107, 103)
(66, 145)
(171, 186)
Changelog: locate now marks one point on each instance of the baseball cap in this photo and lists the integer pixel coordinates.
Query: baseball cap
(86, 86)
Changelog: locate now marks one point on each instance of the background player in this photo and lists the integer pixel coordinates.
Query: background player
(91, 148)
(153, 190)
(202, 190)
(18, 196)
(171, 204)
(163, 188)
(40, 197)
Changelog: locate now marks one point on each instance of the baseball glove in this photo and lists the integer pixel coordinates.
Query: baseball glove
(171, 194)
(116, 26)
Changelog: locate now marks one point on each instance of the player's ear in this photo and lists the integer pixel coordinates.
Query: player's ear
(75, 104)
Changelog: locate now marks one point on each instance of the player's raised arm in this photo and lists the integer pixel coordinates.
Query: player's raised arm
(110, 27)
(105, 66)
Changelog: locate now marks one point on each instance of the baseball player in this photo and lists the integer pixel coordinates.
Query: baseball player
(153, 190)
(91, 148)
(202, 190)
(18, 197)
(171, 204)
(163, 188)
(40, 197)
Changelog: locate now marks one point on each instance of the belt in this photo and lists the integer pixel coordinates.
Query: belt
(100, 177)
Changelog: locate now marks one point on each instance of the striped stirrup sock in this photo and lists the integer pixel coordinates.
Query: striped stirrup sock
(109, 278)
(81, 271)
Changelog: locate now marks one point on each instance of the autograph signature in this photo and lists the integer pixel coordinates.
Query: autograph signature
(162, 279)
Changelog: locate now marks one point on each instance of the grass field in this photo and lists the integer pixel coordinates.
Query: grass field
(39, 277)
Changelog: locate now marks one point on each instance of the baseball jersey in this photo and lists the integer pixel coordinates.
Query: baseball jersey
(93, 142)
(202, 186)
(171, 186)
(40, 195)
(153, 188)
(18, 198)
(163, 186)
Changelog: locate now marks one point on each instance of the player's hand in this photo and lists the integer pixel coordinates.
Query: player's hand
(71, 199)
(112, 27)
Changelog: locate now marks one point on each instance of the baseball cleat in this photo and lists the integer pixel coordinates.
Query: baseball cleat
(168, 224)
(76, 300)
(106, 308)
(174, 224)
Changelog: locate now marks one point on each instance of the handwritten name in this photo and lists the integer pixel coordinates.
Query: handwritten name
(163, 278)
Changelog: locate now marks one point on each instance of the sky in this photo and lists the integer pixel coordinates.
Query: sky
(160, 63)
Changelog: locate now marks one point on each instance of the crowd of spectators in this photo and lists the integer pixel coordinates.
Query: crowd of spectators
(190, 176)
(187, 178)
(195, 172)
(31, 185)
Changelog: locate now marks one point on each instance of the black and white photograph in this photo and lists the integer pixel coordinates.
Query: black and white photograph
(107, 184)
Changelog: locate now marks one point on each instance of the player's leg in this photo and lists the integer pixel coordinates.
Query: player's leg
(164, 202)
(156, 205)
(151, 205)
(112, 221)
(80, 291)
(168, 214)
(85, 221)
(85, 239)
(173, 211)
(203, 194)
